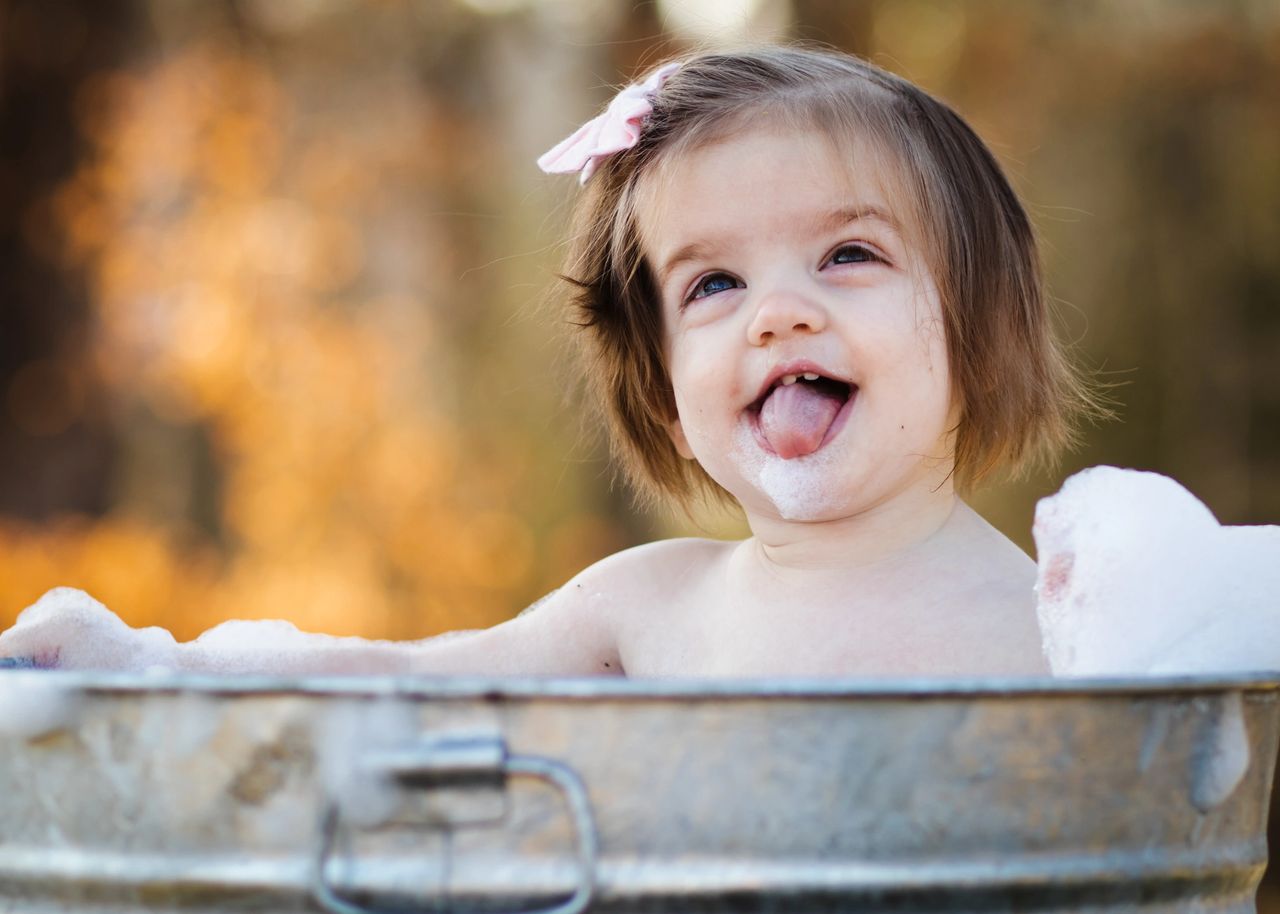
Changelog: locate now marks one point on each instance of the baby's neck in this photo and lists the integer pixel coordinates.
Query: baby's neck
(883, 536)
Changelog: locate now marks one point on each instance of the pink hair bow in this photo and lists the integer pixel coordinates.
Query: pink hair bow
(618, 128)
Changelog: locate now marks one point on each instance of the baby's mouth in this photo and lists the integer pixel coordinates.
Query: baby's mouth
(798, 414)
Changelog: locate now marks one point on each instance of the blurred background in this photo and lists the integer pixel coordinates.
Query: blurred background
(279, 333)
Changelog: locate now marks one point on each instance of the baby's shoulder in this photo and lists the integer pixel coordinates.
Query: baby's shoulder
(988, 596)
(995, 611)
(654, 571)
(643, 578)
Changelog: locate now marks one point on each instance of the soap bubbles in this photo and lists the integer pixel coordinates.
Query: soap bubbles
(1137, 576)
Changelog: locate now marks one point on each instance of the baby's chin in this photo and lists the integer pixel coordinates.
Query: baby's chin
(793, 501)
(801, 490)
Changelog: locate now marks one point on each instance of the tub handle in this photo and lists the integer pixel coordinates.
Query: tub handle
(469, 759)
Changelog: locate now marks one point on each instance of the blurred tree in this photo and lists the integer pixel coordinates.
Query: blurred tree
(55, 446)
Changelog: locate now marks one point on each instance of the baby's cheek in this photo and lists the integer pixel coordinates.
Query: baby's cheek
(693, 416)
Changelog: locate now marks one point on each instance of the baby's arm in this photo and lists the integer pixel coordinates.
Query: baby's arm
(569, 634)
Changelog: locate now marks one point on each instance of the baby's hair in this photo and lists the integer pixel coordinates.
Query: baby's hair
(1018, 396)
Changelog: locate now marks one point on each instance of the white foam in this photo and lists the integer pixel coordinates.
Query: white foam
(280, 648)
(1136, 576)
(34, 704)
(1222, 758)
(66, 628)
(799, 488)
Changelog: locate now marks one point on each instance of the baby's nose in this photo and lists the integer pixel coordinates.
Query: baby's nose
(782, 314)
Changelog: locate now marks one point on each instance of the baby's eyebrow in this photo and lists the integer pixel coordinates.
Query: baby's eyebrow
(683, 254)
(857, 212)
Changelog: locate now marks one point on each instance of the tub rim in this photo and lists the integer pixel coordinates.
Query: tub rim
(621, 688)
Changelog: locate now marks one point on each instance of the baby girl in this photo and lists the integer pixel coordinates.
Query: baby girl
(803, 286)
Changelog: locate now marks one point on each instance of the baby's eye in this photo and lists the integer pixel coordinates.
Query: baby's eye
(854, 253)
(713, 283)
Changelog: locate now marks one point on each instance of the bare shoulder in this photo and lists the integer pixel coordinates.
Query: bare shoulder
(652, 570)
(987, 551)
(598, 609)
(998, 599)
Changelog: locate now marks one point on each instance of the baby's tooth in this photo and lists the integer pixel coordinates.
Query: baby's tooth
(789, 379)
(810, 376)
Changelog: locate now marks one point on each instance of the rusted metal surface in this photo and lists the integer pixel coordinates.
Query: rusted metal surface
(604, 795)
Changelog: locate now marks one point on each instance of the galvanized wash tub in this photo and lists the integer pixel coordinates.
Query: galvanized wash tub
(197, 794)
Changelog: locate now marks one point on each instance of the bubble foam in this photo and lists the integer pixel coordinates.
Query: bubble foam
(798, 488)
(1136, 576)
(33, 705)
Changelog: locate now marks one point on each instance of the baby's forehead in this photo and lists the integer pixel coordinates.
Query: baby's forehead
(771, 177)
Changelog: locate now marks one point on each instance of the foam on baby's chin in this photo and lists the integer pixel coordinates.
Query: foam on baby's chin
(799, 488)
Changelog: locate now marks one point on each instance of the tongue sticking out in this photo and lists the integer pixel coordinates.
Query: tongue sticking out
(795, 418)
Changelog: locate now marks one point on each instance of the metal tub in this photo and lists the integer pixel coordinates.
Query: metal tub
(197, 794)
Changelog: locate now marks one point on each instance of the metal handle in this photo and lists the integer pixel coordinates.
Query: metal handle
(461, 760)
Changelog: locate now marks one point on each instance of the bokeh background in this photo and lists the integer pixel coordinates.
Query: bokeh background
(279, 333)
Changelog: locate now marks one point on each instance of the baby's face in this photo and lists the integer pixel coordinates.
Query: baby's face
(804, 333)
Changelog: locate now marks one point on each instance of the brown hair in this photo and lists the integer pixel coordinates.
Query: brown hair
(1018, 396)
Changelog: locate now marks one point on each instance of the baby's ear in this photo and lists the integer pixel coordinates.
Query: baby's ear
(676, 432)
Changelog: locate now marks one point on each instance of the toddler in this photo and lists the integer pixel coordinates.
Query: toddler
(805, 286)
